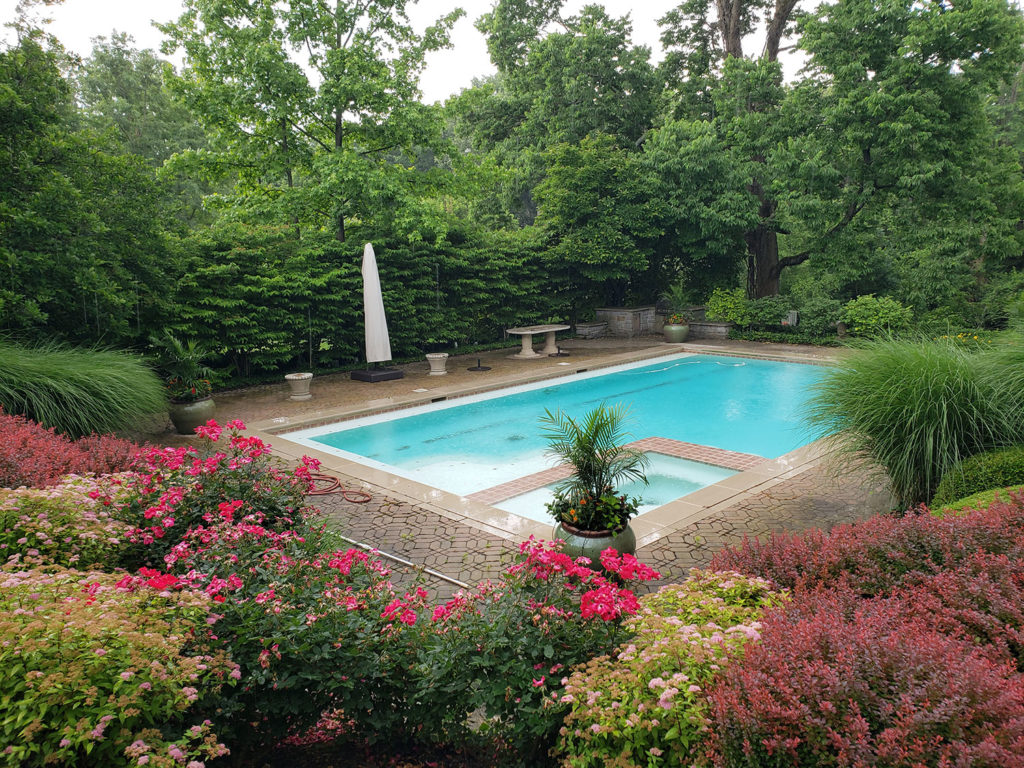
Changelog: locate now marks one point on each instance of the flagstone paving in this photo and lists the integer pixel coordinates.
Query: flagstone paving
(445, 552)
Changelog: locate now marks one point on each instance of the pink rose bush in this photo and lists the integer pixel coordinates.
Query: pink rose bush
(504, 650)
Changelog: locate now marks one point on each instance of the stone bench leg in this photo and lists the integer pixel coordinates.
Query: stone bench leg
(527, 350)
(550, 348)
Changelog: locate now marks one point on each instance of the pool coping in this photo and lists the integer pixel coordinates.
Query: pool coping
(649, 528)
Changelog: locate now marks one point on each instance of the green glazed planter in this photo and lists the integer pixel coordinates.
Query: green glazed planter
(590, 544)
(187, 416)
(676, 334)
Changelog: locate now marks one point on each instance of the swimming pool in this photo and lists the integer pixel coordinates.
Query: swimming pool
(475, 443)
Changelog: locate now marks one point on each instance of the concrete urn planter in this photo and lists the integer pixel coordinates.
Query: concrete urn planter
(299, 383)
(676, 334)
(438, 362)
(590, 544)
(187, 416)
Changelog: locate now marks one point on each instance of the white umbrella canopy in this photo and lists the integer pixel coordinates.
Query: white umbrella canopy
(378, 344)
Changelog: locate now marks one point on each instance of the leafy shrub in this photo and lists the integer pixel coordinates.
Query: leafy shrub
(312, 631)
(69, 524)
(35, 456)
(767, 312)
(873, 316)
(783, 335)
(77, 391)
(645, 704)
(729, 306)
(819, 314)
(980, 600)
(503, 650)
(916, 408)
(827, 686)
(879, 554)
(992, 469)
(179, 489)
(96, 667)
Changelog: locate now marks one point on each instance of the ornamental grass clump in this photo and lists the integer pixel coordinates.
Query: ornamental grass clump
(99, 669)
(915, 409)
(78, 391)
(502, 652)
(69, 524)
(841, 683)
(645, 704)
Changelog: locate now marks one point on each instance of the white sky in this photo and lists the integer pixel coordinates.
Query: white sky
(76, 22)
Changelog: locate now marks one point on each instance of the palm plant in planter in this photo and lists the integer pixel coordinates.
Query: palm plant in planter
(187, 381)
(590, 515)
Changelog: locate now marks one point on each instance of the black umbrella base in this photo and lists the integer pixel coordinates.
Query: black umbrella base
(377, 374)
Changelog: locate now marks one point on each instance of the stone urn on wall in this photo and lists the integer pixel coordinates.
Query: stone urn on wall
(299, 383)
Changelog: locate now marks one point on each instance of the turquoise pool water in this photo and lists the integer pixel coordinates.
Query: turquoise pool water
(469, 444)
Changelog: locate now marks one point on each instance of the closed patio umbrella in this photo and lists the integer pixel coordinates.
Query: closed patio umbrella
(378, 343)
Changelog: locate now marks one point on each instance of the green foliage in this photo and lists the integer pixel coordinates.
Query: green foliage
(91, 669)
(917, 408)
(784, 336)
(645, 703)
(312, 109)
(77, 391)
(768, 311)
(729, 306)
(593, 447)
(83, 260)
(992, 469)
(873, 316)
(181, 364)
(596, 207)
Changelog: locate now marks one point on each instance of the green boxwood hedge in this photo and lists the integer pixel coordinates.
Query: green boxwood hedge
(985, 471)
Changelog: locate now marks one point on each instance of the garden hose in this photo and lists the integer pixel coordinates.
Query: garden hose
(327, 484)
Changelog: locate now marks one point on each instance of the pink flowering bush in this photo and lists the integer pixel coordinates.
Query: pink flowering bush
(645, 704)
(98, 669)
(176, 490)
(313, 629)
(68, 524)
(505, 649)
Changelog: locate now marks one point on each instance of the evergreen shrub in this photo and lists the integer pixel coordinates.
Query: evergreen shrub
(985, 471)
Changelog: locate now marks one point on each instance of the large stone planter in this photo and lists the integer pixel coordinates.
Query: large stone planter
(590, 544)
(627, 321)
(438, 362)
(187, 416)
(299, 383)
(591, 330)
(676, 334)
(709, 330)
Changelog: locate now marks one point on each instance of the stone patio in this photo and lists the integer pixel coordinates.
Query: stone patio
(449, 542)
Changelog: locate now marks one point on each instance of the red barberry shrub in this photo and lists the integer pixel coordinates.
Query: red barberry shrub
(37, 457)
(843, 681)
(879, 554)
(982, 601)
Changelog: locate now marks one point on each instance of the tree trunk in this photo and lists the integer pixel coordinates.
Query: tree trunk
(762, 262)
